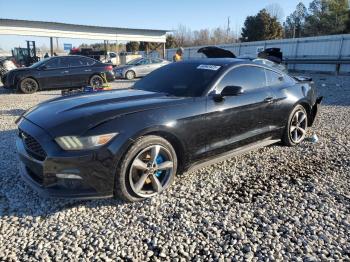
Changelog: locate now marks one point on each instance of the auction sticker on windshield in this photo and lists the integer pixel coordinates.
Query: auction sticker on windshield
(209, 67)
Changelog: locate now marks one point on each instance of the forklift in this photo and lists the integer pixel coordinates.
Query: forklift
(25, 56)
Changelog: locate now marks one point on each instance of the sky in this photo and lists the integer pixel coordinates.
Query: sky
(154, 14)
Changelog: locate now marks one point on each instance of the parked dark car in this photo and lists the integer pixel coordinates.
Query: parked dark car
(57, 73)
(132, 142)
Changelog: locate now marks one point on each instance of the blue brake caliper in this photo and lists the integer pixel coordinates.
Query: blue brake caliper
(159, 160)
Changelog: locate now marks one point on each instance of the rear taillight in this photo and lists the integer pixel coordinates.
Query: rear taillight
(109, 68)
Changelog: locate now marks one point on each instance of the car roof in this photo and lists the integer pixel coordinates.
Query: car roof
(65, 56)
(77, 56)
(229, 62)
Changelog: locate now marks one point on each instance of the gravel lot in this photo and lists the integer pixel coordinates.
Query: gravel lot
(276, 203)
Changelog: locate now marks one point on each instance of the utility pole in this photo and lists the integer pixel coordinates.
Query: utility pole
(294, 31)
(51, 46)
(228, 28)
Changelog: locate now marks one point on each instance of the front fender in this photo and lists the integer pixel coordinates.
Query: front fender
(18, 78)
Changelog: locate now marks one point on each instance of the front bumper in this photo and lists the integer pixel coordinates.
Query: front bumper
(119, 74)
(94, 168)
(8, 80)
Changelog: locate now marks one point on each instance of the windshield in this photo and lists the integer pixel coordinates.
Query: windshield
(134, 61)
(179, 79)
(37, 64)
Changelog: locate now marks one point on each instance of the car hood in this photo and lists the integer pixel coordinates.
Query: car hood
(216, 52)
(10, 75)
(22, 69)
(74, 115)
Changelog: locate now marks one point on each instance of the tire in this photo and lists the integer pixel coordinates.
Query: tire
(295, 130)
(28, 86)
(141, 175)
(130, 75)
(96, 81)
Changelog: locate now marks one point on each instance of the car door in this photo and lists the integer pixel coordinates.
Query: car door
(80, 70)
(143, 67)
(155, 64)
(242, 119)
(54, 74)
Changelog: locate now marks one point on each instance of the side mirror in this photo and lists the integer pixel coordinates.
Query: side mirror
(44, 67)
(228, 91)
(232, 91)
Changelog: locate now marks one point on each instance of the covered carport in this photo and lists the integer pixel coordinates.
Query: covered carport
(63, 30)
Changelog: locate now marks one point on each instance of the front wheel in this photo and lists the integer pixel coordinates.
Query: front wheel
(148, 168)
(28, 86)
(296, 127)
(130, 75)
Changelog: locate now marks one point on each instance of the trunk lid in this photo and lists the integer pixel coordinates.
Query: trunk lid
(216, 52)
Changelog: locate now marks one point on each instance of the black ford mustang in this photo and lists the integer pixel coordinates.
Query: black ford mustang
(132, 142)
(58, 72)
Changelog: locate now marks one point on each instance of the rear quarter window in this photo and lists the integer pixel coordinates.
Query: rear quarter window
(273, 78)
(80, 61)
(87, 61)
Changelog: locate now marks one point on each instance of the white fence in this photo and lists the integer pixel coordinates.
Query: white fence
(333, 47)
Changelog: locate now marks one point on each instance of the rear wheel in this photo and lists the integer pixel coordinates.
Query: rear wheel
(296, 128)
(96, 81)
(28, 86)
(148, 168)
(130, 75)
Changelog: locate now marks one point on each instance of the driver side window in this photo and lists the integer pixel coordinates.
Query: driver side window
(144, 62)
(247, 77)
(52, 64)
(57, 63)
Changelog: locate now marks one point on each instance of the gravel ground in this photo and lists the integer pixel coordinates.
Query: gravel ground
(276, 203)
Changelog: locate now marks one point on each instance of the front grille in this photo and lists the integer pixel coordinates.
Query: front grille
(32, 146)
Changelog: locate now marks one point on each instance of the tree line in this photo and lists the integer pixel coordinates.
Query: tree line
(322, 17)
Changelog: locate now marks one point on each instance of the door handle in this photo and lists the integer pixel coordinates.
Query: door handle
(87, 70)
(268, 99)
(64, 72)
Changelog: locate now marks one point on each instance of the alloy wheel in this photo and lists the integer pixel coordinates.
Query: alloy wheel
(130, 75)
(96, 82)
(151, 171)
(29, 85)
(297, 130)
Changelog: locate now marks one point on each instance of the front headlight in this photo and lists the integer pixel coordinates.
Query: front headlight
(83, 142)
